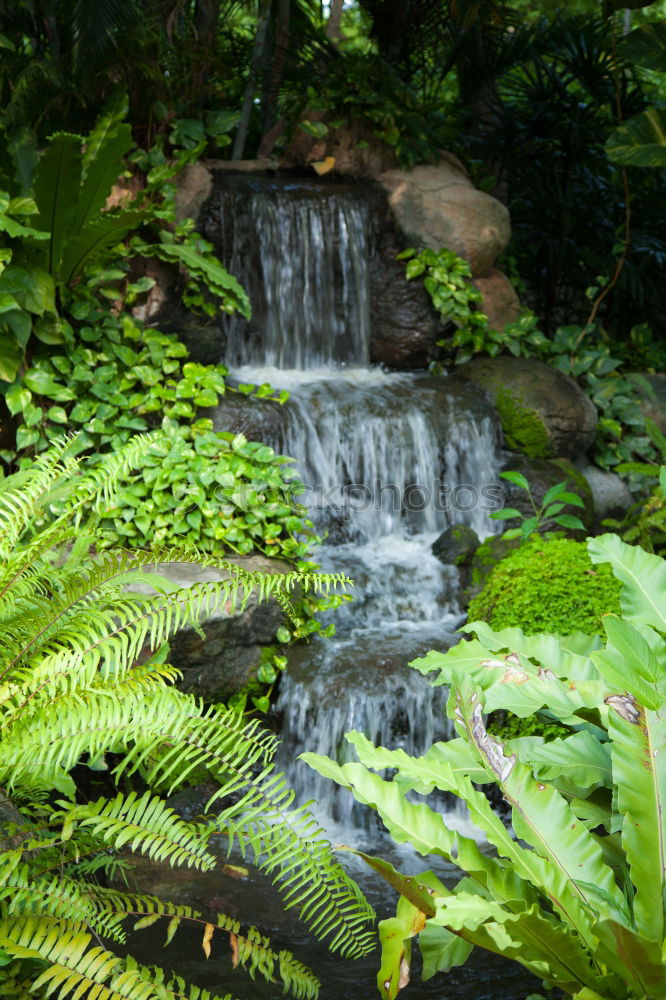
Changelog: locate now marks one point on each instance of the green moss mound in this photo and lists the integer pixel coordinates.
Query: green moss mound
(548, 587)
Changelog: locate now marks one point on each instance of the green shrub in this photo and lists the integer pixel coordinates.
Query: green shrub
(575, 890)
(547, 586)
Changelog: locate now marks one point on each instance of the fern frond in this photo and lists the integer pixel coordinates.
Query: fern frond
(71, 690)
(22, 493)
(77, 969)
(144, 823)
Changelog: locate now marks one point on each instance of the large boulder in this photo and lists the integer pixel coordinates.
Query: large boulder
(223, 654)
(499, 299)
(456, 545)
(256, 419)
(403, 323)
(611, 494)
(543, 412)
(437, 206)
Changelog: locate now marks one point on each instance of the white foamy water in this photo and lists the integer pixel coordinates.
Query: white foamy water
(389, 460)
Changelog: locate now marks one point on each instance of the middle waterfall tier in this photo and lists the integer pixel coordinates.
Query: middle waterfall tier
(388, 462)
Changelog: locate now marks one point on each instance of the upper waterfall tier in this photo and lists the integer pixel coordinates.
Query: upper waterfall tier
(301, 250)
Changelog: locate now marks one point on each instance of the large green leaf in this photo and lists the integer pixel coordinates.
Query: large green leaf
(639, 767)
(442, 950)
(416, 824)
(544, 819)
(513, 682)
(108, 123)
(100, 174)
(32, 287)
(565, 656)
(643, 596)
(57, 183)
(640, 141)
(10, 355)
(208, 268)
(395, 936)
(580, 759)
(106, 231)
(636, 959)
(646, 46)
(532, 937)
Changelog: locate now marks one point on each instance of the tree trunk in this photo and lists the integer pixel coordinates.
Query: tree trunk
(250, 86)
(333, 28)
(274, 68)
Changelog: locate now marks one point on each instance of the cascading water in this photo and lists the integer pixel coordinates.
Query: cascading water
(388, 459)
(305, 272)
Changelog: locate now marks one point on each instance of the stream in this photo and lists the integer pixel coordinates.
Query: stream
(389, 460)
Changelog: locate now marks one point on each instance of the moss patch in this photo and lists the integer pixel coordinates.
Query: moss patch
(548, 587)
(524, 430)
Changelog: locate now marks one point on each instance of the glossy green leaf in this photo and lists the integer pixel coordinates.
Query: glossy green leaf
(10, 355)
(643, 576)
(57, 182)
(638, 738)
(646, 46)
(640, 141)
(517, 478)
(442, 950)
(101, 169)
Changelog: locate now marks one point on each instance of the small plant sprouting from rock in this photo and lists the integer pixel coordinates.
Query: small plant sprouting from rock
(549, 511)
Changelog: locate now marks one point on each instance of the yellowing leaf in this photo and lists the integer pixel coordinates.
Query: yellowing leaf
(325, 165)
(235, 871)
(208, 934)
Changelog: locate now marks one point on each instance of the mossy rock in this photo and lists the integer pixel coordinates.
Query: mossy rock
(524, 430)
(489, 553)
(543, 412)
(548, 586)
(456, 545)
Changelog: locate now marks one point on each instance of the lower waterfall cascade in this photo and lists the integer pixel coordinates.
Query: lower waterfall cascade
(388, 459)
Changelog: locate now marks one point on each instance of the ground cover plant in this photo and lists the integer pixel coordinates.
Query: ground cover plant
(577, 896)
(86, 681)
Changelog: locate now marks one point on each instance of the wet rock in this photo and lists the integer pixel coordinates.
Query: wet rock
(611, 494)
(456, 545)
(257, 419)
(438, 206)
(352, 146)
(544, 413)
(223, 655)
(500, 300)
(193, 186)
(404, 325)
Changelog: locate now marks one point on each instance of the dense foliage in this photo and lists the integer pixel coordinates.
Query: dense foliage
(577, 896)
(85, 681)
(582, 352)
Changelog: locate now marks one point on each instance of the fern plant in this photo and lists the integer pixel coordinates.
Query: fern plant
(75, 685)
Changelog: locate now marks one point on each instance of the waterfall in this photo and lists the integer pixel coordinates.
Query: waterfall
(389, 460)
(301, 251)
